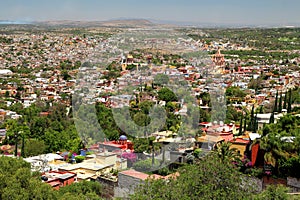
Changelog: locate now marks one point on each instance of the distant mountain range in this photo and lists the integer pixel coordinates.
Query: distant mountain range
(110, 23)
(134, 23)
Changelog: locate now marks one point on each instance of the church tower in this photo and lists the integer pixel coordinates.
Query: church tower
(219, 61)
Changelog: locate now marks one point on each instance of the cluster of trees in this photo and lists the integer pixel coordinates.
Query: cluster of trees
(268, 39)
(281, 142)
(18, 182)
(212, 177)
(6, 40)
(38, 133)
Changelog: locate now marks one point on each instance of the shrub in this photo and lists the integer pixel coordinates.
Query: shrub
(146, 165)
(79, 159)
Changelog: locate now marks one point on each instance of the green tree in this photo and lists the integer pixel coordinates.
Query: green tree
(34, 147)
(234, 92)
(145, 106)
(275, 109)
(167, 95)
(225, 153)
(252, 120)
(232, 114)
(280, 104)
(83, 189)
(17, 181)
(261, 109)
(141, 119)
(271, 120)
(205, 97)
(211, 178)
(289, 108)
(241, 126)
(274, 192)
(285, 101)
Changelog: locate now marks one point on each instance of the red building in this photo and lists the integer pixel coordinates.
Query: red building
(121, 144)
(59, 179)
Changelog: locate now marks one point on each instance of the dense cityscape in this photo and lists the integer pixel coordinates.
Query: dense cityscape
(135, 109)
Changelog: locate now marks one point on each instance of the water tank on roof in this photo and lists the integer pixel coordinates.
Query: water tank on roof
(123, 137)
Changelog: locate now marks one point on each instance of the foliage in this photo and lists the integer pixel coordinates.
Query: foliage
(82, 190)
(141, 119)
(164, 171)
(226, 153)
(34, 147)
(290, 166)
(79, 159)
(50, 133)
(17, 181)
(281, 142)
(107, 122)
(232, 114)
(234, 92)
(145, 145)
(197, 152)
(166, 94)
(210, 178)
(161, 79)
(205, 115)
(256, 172)
(274, 192)
(146, 165)
(205, 98)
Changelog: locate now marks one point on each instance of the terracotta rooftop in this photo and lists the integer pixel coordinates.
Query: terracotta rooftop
(143, 176)
(135, 174)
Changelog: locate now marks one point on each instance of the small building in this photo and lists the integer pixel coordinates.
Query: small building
(89, 170)
(112, 146)
(208, 141)
(128, 180)
(59, 179)
(241, 144)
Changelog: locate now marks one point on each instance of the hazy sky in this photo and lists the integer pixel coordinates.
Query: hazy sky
(262, 12)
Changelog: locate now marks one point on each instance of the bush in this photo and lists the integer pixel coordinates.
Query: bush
(256, 172)
(276, 192)
(79, 159)
(146, 165)
(197, 152)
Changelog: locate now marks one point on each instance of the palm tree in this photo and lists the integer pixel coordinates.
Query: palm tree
(225, 153)
(274, 150)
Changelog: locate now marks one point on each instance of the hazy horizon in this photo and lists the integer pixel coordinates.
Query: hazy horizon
(255, 12)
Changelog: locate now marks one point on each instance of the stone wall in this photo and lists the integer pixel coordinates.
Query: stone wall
(126, 185)
(294, 184)
(256, 183)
